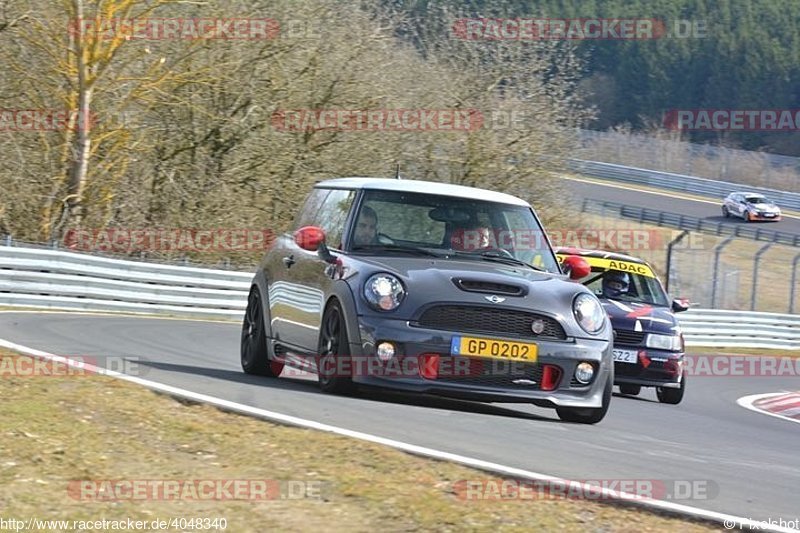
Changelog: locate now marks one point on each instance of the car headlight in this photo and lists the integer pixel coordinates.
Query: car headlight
(672, 343)
(589, 313)
(384, 292)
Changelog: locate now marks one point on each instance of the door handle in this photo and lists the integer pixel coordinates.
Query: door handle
(289, 261)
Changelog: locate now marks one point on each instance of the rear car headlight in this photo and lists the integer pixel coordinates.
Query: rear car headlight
(589, 313)
(673, 343)
(384, 292)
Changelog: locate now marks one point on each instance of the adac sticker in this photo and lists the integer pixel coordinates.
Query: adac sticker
(615, 264)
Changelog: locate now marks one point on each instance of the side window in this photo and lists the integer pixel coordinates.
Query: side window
(332, 215)
(307, 215)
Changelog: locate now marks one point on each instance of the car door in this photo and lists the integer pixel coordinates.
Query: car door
(301, 289)
(741, 207)
(287, 308)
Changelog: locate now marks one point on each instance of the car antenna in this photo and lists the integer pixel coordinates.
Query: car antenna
(397, 172)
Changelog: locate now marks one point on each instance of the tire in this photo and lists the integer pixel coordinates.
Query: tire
(253, 349)
(588, 415)
(630, 390)
(672, 396)
(725, 212)
(333, 346)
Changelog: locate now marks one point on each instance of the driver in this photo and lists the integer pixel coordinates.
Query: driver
(366, 227)
(472, 238)
(615, 283)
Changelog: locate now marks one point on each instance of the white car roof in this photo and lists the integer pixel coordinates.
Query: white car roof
(419, 186)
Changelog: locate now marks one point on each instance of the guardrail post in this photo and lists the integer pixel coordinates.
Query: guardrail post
(794, 283)
(756, 261)
(674, 241)
(9, 240)
(717, 252)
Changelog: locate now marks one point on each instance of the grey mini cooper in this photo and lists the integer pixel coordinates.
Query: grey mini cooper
(433, 289)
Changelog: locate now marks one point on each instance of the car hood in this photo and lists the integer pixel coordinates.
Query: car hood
(421, 268)
(646, 318)
(430, 281)
(765, 207)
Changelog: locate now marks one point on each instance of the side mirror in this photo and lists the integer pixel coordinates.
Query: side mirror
(680, 304)
(577, 267)
(309, 238)
(312, 239)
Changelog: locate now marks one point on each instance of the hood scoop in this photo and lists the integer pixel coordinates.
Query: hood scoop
(490, 287)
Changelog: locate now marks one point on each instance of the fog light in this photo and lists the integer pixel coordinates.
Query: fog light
(584, 372)
(537, 326)
(385, 351)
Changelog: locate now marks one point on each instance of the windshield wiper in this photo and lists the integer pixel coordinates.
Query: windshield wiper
(498, 258)
(416, 250)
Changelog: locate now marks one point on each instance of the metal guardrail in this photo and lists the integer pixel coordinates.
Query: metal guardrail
(679, 182)
(50, 279)
(741, 329)
(689, 223)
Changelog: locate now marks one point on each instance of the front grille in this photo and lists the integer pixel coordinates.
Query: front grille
(491, 373)
(489, 287)
(629, 338)
(490, 321)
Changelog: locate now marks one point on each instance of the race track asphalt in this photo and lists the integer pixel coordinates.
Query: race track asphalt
(752, 459)
(668, 201)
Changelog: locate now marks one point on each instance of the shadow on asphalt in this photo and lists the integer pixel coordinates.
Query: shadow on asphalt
(367, 394)
(635, 398)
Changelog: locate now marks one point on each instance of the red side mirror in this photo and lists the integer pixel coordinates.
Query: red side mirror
(577, 267)
(680, 304)
(309, 238)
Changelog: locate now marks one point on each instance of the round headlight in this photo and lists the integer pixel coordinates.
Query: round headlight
(589, 313)
(384, 292)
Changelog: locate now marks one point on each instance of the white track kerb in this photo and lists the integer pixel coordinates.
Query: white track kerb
(748, 403)
(479, 464)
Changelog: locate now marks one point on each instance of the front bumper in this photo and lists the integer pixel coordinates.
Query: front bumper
(762, 217)
(654, 368)
(494, 380)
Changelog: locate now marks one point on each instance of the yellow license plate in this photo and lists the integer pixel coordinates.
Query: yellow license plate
(494, 349)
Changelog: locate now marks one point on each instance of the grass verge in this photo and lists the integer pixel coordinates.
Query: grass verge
(708, 350)
(58, 429)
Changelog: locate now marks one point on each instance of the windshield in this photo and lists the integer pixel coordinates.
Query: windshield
(390, 221)
(756, 200)
(640, 288)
